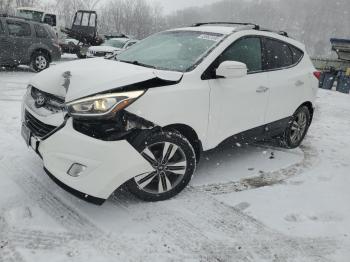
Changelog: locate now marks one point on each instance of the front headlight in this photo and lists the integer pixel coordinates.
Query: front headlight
(102, 105)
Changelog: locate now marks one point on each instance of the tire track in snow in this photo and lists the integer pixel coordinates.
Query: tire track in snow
(176, 231)
(62, 213)
(8, 252)
(79, 227)
(205, 229)
(265, 178)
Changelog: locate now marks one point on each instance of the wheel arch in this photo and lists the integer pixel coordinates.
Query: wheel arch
(42, 50)
(191, 136)
(310, 106)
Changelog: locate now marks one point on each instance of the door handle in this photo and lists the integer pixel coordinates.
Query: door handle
(299, 83)
(262, 89)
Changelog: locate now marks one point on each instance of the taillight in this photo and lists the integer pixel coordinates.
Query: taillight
(317, 74)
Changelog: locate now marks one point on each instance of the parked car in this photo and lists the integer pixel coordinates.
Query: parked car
(110, 47)
(28, 43)
(143, 118)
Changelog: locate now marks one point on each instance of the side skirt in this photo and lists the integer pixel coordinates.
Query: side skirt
(260, 133)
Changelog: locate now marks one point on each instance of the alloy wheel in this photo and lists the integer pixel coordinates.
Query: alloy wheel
(41, 62)
(298, 128)
(169, 166)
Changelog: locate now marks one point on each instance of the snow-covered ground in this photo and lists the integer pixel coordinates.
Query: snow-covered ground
(245, 203)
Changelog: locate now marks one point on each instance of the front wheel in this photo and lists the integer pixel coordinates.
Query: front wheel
(297, 128)
(173, 162)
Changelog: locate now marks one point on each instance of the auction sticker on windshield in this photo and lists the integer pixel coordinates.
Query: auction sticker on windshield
(210, 37)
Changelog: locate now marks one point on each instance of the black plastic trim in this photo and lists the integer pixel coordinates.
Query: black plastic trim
(78, 194)
(261, 133)
(144, 85)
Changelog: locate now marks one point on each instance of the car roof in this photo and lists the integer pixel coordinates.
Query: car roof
(229, 30)
(224, 30)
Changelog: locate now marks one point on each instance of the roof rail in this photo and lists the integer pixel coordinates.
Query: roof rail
(255, 26)
(283, 33)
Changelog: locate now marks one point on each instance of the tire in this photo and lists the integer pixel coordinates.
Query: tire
(80, 55)
(297, 128)
(174, 162)
(39, 61)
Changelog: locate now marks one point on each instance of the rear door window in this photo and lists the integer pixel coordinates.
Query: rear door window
(277, 54)
(17, 28)
(246, 50)
(40, 31)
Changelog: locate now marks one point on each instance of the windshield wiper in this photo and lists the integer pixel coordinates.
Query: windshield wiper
(137, 63)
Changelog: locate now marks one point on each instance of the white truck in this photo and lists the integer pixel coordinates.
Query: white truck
(40, 16)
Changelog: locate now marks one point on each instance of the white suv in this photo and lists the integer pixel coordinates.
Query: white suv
(143, 118)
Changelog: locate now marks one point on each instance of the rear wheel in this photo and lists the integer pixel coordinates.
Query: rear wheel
(39, 61)
(81, 55)
(297, 129)
(81, 52)
(173, 162)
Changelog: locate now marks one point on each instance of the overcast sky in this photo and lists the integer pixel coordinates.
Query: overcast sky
(172, 5)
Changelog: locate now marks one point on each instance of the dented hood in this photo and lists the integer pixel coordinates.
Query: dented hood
(82, 78)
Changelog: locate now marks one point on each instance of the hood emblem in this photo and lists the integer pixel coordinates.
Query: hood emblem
(40, 101)
(66, 75)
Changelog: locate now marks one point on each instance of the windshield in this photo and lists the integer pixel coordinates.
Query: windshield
(32, 15)
(115, 43)
(172, 50)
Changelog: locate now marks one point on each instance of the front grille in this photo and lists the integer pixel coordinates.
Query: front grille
(50, 102)
(37, 127)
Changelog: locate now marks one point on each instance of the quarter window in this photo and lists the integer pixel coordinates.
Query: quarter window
(40, 31)
(277, 55)
(18, 28)
(246, 50)
(297, 54)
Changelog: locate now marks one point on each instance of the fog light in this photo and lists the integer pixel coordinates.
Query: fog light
(76, 169)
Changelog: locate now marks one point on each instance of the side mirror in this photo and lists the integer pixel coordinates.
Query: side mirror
(231, 69)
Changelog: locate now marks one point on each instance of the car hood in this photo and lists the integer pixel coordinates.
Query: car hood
(81, 78)
(103, 48)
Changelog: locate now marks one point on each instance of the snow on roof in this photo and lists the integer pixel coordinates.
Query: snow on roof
(121, 39)
(225, 30)
(30, 9)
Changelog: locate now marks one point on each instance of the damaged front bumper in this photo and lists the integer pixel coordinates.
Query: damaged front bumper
(89, 168)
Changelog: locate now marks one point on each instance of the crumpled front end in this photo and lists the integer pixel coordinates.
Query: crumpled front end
(89, 167)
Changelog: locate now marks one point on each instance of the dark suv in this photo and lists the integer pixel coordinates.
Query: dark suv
(28, 43)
